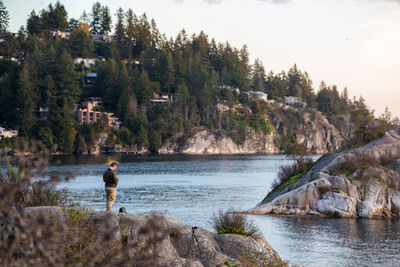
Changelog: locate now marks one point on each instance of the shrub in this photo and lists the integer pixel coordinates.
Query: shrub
(228, 222)
(42, 194)
(288, 174)
(354, 162)
(36, 239)
(363, 161)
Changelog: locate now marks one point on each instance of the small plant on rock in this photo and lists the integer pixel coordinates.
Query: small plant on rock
(228, 222)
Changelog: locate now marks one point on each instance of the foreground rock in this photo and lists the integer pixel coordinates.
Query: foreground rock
(362, 182)
(109, 238)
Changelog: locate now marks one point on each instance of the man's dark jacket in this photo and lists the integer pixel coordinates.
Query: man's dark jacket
(110, 178)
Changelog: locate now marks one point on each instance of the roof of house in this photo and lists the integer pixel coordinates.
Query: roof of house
(91, 75)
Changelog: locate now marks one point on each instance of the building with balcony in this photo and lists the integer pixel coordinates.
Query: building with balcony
(91, 110)
(162, 98)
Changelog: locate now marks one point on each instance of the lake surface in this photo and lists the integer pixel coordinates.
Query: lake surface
(192, 188)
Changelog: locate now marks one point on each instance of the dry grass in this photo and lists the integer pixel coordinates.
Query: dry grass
(28, 239)
(229, 222)
(364, 160)
(286, 173)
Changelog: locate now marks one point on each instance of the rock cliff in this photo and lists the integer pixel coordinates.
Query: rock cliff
(361, 182)
(312, 130)
(205, 142)
(114, 239)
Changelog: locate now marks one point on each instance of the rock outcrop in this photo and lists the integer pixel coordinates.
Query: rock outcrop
(205, 142)
(314, 131)
(109, 238)
(361, 182)
(318, 135)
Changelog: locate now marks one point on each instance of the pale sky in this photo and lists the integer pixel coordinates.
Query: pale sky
(353, 43)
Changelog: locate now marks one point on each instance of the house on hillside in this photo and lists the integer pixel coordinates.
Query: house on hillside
(162, 98)
(88, 62)
(60, 34)
(257, 95)
(4, 133)
(91, 110)
(41, 113)
(293, 101)
(290, 100)
(228, 87)
(102, 38)
(90, 78)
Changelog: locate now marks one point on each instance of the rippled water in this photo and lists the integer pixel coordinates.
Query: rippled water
(191, 188)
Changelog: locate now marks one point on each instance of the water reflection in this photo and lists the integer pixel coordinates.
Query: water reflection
(334, 242)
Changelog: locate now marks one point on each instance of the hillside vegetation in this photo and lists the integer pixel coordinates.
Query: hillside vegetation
(39, 74)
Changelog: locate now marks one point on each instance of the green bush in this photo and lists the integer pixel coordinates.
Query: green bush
(228, 222)
(36, 194)
(41, 194)
(289, 174)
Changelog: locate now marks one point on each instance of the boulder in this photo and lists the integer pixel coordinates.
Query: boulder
(110, 238)
(371, 191)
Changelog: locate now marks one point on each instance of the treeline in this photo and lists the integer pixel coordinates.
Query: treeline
(37, 96)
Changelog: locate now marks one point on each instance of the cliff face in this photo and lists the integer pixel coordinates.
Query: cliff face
(204, 142)
(318, 135)
(362, 182)
(314, 131)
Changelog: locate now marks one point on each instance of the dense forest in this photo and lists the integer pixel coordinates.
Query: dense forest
(38, 73)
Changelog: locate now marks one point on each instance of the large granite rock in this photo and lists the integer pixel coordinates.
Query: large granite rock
(368, 191)
(205, 142)
(315, 132)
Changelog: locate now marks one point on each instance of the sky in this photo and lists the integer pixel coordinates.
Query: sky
(349, 43)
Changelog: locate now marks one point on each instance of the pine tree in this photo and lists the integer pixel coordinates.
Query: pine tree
(4, 18)
(105, 21)
(130, 36)
(81, 44)
(73, 25)
(60, 16)
(33, 23)
(84, 17)
(27, 98)
(120, 29)
(96, 15)
(258, 76)
(67, 94)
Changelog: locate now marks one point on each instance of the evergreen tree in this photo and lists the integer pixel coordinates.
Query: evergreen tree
(59, 17)
(4, 18)
(120, 29)
(67, 94)
(130, 35)
(81, 44)
(105, 21)
(84, 17)
(33, 23)
(27, 98)
(96, 18)
(258, 79)
(73, 25)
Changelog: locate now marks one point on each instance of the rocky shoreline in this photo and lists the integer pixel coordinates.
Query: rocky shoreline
(171, 243)
(363, 182)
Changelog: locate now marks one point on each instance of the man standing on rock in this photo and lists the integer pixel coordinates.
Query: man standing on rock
(111, 180)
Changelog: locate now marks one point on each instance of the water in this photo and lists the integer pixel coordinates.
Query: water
(192, 188)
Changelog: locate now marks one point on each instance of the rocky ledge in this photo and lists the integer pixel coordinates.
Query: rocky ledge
(361, 182)
(149, 240)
